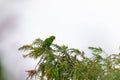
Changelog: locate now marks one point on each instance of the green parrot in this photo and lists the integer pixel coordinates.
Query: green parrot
(48, 41)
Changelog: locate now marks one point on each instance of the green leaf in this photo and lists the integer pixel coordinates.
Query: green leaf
(57, 46)
(35, 53)
(26, 47)
(38, 41)
(73, 50)
(94, 49)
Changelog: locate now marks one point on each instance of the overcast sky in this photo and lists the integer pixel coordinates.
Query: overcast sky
(76, 23)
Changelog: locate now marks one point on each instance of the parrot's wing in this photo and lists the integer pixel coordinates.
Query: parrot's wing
(48, 41)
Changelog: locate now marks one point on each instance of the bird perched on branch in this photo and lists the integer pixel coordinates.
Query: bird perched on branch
(48, 41)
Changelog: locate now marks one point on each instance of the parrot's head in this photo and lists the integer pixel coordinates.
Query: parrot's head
(52, 37)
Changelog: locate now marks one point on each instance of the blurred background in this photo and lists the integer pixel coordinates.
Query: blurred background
(76, 23)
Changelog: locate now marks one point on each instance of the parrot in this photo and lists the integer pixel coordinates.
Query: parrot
(48, 41)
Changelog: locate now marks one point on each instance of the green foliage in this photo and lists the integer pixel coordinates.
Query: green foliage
(59, 62)
(96, 50)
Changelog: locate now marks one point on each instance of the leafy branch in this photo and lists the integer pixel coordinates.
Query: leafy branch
(59, 62)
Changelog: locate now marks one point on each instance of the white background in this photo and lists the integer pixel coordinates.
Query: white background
(76, 23)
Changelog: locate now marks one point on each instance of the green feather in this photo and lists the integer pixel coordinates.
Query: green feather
(48, 41)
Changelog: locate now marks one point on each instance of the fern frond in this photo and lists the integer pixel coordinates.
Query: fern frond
(38, 41)
(37, 52)
(73, 50)
(94, 49)
(26, 47)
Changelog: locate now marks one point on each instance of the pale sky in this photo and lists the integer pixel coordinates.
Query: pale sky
(76, 23)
